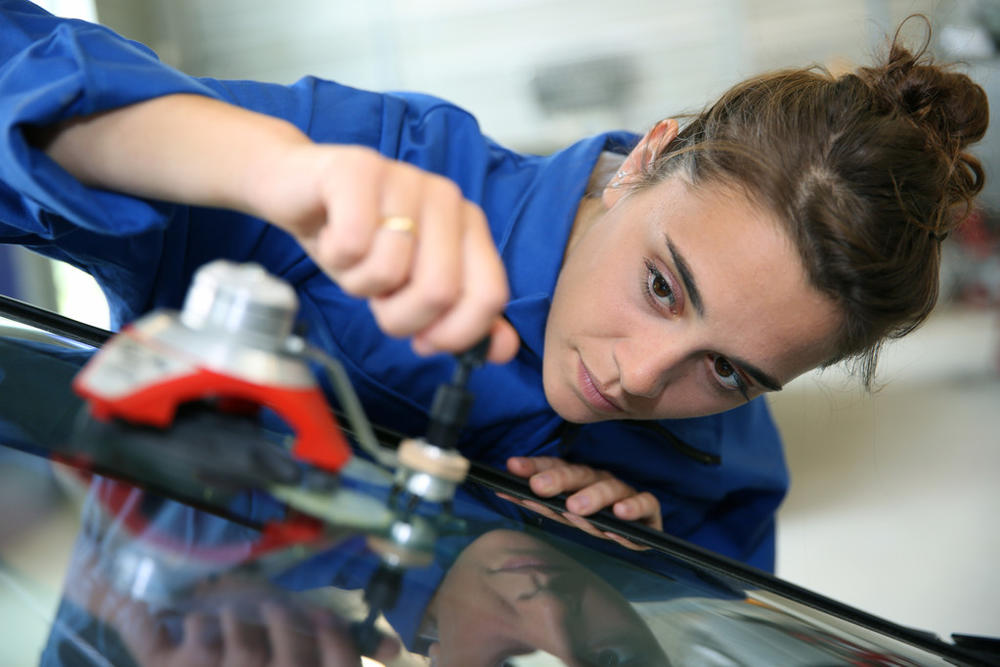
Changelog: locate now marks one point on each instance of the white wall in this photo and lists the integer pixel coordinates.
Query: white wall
(895, 494)
(485, 54)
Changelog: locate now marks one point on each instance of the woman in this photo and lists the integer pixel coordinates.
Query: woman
(793, 224)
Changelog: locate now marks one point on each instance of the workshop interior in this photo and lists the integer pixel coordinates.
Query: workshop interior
(887, 544)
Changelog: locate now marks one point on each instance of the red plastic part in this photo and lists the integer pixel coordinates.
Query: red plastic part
(124, 502)
(318, 439)
(294, 529)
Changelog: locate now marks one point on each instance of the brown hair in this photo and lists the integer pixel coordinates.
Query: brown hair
(868, 170)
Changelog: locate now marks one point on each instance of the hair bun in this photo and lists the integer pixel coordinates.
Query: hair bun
(948, 112)
(948, 105)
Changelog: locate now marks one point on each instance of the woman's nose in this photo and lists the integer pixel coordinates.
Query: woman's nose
(645, 369)
(551, 615)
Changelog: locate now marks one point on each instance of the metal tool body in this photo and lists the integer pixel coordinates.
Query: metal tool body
(431, 468)
(231, 343)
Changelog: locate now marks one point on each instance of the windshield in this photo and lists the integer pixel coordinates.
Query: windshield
(207, 543)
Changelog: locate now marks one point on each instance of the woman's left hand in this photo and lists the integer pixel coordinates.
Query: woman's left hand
(591, 490)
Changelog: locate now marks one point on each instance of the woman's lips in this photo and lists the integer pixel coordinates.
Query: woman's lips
(593, 395)
(525, 563)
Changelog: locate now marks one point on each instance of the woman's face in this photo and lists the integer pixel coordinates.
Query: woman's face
(679, 301)
(509, 594)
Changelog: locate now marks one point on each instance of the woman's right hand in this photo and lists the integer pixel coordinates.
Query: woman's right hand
(269, 635)
(228, 622)
(442, 282)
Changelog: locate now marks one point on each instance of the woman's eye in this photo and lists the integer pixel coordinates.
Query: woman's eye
(727, 374)
(609, 657)
(659, 287)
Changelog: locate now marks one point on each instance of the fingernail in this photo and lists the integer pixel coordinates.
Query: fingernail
(581, 504)
(544, 481)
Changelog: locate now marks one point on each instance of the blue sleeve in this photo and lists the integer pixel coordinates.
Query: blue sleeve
(142, 252)
(52, 69)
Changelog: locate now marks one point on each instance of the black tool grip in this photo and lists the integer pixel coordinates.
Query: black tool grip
(452, 401)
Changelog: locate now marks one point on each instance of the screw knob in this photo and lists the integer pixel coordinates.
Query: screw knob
(241, 301)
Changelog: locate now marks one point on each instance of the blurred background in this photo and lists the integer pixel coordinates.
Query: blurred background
(896, 493)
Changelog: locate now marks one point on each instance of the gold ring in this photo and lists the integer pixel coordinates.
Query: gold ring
(399, 223)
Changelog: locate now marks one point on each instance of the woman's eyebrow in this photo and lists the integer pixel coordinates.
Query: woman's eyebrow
(686, 276)
(763, 379)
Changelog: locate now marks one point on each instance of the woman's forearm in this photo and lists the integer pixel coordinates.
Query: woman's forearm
(440, 280)
(182, 148)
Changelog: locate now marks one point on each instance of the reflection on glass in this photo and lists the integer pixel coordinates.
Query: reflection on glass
(511, 594)
(146, 598)
(157, 582)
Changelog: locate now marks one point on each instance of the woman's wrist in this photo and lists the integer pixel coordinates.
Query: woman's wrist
(265, 167)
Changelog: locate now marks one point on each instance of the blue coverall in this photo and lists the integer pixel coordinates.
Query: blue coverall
(719, 488)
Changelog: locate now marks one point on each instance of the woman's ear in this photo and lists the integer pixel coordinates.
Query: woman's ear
(642, 157)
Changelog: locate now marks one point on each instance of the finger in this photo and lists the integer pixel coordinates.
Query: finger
(591, 529)
(538, 508)
(529, 465)
(523, 466)
(598, 495)
(387, 261)
(139, 629)
(583, 524)
(352, 197)
(549, 476)
(384, 269)
(85, 584)
(625, 542)
(289, 645)
(336, 648)
(334, 643)
(201, 643)
(244, 642)
(388, 649)
(483, 292)
(569, 477)
(435, 277)
(642, 507)
(504, 342)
